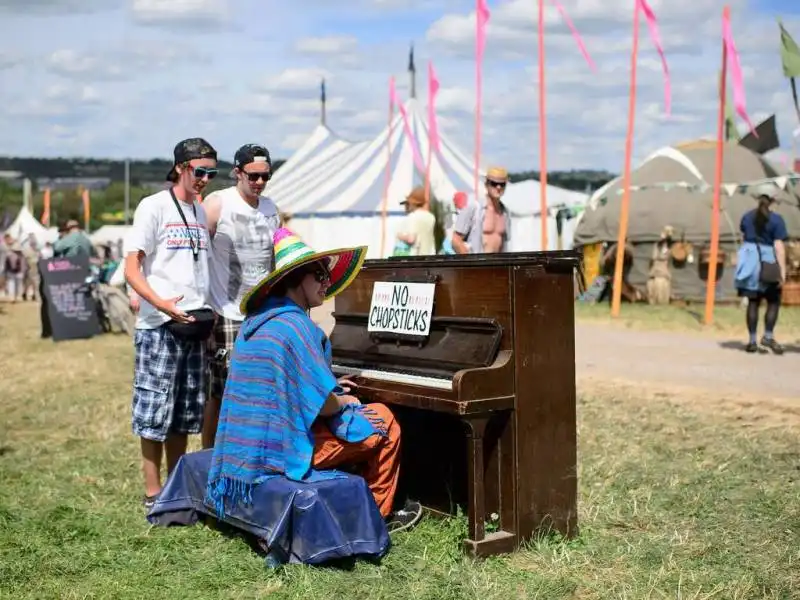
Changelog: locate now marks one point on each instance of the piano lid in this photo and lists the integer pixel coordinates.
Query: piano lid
(556, 260)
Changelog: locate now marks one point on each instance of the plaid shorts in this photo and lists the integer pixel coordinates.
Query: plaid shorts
(220, 347)
(168, 385)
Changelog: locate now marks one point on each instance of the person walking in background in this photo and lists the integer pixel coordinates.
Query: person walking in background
(166, 264)
(32, 257)
(484, 226)
(15, 269)
(241, 223)
(73, 242)
(761, 266)
(416, 236)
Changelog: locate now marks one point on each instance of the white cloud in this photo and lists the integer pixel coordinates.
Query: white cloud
(342, 44)
(181, 12)
(49, 7)
(290, 81)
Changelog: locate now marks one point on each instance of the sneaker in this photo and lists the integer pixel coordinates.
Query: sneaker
(772, 345)
(149, 501)
(405, 518)
(751, 348)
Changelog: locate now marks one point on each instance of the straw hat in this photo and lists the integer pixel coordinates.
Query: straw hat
(291, 252)
(498, 174)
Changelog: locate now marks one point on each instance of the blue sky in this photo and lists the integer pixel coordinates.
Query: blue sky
(82, 79)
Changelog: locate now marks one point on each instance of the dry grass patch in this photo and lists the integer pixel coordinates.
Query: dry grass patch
(674, 503)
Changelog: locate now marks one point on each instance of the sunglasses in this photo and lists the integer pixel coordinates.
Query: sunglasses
(501, 185)
(265, 176)
(321, 275)
(200, 172)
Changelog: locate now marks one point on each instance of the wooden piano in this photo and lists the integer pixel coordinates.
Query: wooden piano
(485, 400)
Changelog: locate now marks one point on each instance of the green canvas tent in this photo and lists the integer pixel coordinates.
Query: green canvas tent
(668, 202)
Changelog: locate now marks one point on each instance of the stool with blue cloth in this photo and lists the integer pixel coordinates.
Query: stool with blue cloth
(317, 522)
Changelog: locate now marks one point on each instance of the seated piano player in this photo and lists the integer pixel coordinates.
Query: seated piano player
(283, 411)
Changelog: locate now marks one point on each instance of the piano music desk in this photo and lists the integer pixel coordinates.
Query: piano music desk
(486, 402)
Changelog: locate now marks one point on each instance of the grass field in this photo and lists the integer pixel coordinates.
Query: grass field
(673, 504)
(728, 320)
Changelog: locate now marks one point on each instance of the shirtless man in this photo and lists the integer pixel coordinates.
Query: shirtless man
(485, 226)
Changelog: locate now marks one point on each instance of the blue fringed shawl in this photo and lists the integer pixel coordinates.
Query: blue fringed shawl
(278, 381)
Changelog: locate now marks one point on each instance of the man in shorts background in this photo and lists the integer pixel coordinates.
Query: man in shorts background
(241, 223)
(166, 264)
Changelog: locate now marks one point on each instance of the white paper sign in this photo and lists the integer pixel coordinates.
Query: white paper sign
(399, 307)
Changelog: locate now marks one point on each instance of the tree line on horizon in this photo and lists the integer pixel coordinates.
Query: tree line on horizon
(108, 202)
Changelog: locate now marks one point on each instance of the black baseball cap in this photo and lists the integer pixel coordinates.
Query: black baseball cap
(190, 149)
(250, 153)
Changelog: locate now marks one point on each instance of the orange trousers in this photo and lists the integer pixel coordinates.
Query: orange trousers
(379, 455)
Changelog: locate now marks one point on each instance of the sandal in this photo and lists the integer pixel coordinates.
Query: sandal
(149, 501)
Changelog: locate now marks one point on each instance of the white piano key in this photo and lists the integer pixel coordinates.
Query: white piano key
(441, 383)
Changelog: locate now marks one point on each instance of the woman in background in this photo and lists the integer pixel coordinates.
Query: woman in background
(761, 266)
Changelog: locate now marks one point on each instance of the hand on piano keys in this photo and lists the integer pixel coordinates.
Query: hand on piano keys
(345, 386)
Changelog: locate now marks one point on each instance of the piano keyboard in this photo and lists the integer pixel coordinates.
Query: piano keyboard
(441, 383)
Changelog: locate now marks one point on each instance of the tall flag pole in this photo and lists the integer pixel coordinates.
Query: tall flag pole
(543, 111)
(388, 177)
(323, 100)
(622, 234)
(433, 128)
(616, 297)
(542, 133)
(481, 19)
(711, 281)
(730, 56)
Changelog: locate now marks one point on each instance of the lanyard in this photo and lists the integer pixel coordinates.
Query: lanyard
(194, 243)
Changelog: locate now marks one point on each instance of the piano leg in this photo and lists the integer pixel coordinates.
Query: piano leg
(479, 544)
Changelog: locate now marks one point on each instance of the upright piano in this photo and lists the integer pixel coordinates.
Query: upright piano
(486, 398)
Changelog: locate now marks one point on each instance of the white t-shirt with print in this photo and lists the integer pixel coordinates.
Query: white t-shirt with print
(242, 250)
(169, 265)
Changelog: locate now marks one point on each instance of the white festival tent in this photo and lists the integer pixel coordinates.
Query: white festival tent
(333, 188)
(26, 224)
(523, 202)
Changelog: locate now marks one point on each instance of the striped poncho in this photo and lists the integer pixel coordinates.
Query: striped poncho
(279, 379)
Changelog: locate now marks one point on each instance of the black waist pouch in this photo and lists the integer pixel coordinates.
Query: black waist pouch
(198, 330)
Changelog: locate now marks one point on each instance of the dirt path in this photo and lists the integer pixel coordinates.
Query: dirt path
(687, 360)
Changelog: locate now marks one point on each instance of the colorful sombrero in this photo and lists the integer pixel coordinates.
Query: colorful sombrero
(291, 252)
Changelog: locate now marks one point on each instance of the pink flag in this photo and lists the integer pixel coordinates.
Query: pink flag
(482, 17)
(652, 24)
(407, 128)
(433, 89)
(737, 82)
(575, 34)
